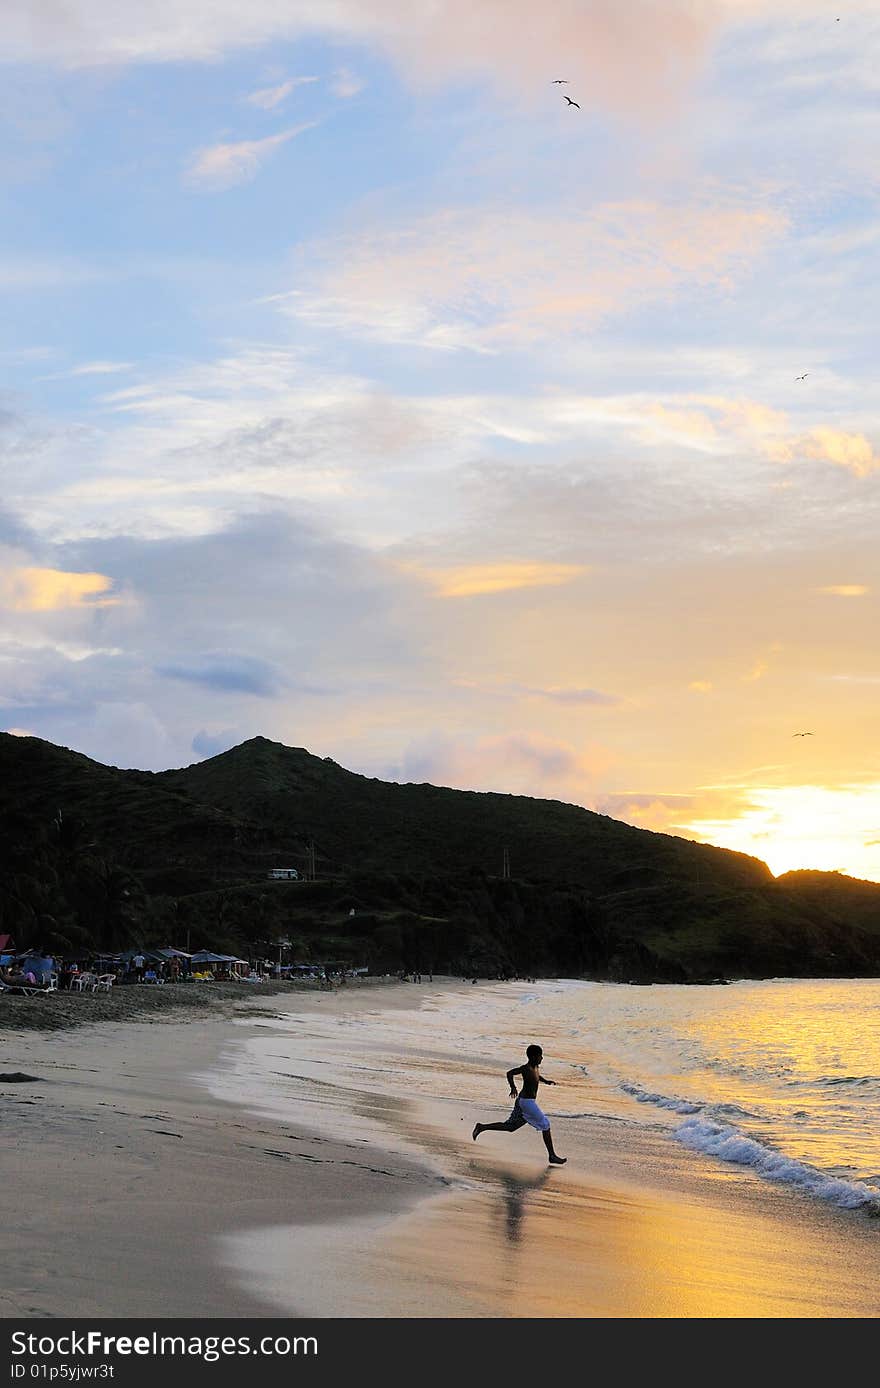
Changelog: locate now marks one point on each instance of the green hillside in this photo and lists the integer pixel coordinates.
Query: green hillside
(405, 875)
(358, 824)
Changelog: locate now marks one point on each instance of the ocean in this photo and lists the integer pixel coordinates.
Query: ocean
(781, 1077)
(723, 1150)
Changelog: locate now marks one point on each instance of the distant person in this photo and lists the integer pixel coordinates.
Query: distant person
(39, 966)
(525, 1108)
(139, 963)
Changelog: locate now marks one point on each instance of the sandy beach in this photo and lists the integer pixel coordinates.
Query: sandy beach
(156, 1175)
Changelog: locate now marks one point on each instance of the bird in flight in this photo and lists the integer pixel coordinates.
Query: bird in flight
(802, 378)
(570, 102)
(560, 81)
(803, 734)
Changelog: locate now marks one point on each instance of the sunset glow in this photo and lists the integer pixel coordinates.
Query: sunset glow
(834, 829)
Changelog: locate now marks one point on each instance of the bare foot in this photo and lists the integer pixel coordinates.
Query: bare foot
(557, 1161)
(478, 1128)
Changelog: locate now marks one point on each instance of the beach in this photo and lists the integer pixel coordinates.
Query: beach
(308, 1153)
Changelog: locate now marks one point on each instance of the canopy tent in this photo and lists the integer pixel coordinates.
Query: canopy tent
(224, 964)
(156, 955)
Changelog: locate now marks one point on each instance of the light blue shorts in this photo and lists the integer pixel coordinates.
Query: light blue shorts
(533, 1115)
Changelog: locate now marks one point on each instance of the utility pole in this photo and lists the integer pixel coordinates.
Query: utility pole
(505, 863)
(312, 860)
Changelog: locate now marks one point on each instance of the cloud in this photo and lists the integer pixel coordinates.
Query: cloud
(489, 277)
(518, 764)
(270, 98)
(257, 624)
(854, 452)
(345, 84)
(700, 686)
(206, 744)
(223, 166)
(228, 673)
(845, 590)
(91, 368)
(51, 590)
(646, 810)
(851, 451)
(101, 368)
(471, 580)
(757, 672)
(641, 56)
(558, 694)
(144, 737)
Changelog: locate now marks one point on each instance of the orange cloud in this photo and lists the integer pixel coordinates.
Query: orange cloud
(51, 590)
(851, 451)
(845, 590)
(470, 580)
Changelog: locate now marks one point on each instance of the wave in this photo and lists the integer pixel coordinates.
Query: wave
(675, 1105)
(729, 1144)
(834, 1082)
(643, 1096)
(848, 1079)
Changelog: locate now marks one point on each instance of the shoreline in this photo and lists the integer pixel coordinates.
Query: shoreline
(62, 1011)
(66, 1011)
(144, 1191)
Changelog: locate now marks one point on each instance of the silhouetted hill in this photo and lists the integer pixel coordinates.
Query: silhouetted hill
(850, 898)
(359, 823)
(407, 875)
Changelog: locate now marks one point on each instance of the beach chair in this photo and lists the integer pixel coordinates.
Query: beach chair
(84, 982)
(104, 983)
(27, 990)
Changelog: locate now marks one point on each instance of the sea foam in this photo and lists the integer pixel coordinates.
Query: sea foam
(729, 1144)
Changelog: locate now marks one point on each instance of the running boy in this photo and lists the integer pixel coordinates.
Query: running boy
(525, 1109)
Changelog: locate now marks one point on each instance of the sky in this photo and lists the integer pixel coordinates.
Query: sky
(358, 391)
